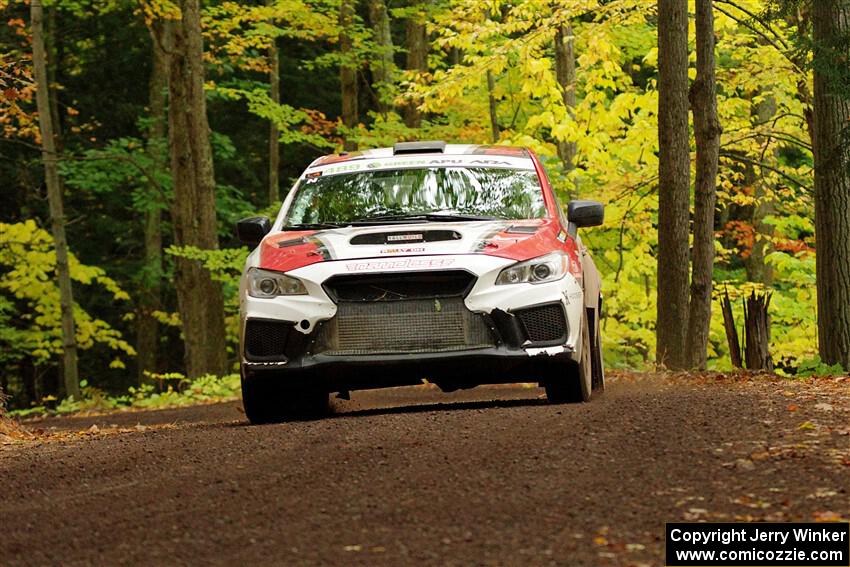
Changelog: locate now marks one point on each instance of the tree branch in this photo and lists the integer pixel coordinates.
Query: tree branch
(782, 50)
(756, 18)
(742, 159)
(776, 136)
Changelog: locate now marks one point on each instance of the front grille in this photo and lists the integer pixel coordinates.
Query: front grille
(544, 324)
(408, 326)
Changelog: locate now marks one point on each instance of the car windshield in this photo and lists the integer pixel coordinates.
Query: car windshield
(427, 194)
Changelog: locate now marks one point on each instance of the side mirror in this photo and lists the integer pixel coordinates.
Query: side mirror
(252, 230)
(585, 213)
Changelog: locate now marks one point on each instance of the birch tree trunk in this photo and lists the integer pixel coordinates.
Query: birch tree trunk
(831, 26)
(70, 371)
(194, 216)
(707, 131)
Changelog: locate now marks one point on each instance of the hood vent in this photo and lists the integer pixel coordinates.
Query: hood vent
(407, 148)
(521, 229)
(406, 237)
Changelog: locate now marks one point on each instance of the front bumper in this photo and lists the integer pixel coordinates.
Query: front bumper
(462, 369)
(506, 312)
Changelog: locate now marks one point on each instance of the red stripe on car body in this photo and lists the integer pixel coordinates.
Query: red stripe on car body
(291, 255)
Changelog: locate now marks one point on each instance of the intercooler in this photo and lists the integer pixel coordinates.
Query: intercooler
(402, 315)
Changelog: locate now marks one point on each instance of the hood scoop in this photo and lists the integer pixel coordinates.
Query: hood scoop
(405, 237)
(521, 229)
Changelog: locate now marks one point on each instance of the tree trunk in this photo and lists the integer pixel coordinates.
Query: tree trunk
(150, 298)
(758, 270)
(707, 132)
(274, 133)
(55, 198)
(382, 69)
(731, 331)
(53, 52)
(673, 184)
(757, 329)
(565, 72)
(199, 298)
(347, 71)
(416, 42)
(494, 119)
(831, 25)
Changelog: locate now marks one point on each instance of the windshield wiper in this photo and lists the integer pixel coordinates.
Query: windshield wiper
(426, 217)
(315, 225)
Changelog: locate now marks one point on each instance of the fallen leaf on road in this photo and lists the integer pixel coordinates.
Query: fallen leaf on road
(822, 493)
(695, 513)
(827, 516)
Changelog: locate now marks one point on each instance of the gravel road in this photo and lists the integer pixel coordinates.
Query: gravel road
(491, 476)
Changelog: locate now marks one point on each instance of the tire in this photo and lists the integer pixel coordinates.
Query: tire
(572, 383)
(265, 400)
(596, 360)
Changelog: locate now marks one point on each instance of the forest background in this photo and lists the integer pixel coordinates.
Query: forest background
(285, 81)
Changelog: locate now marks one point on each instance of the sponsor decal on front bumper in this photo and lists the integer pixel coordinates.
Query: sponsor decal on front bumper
(399, 264)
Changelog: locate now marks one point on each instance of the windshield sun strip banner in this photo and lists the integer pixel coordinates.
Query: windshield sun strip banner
(418, 162)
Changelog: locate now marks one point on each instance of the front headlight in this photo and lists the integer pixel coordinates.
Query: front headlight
(264, 283)
(548, 268)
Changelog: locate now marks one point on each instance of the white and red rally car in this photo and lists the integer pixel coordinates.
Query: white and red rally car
(451, 263)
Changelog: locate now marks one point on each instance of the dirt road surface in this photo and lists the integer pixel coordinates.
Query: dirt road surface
(492, 476)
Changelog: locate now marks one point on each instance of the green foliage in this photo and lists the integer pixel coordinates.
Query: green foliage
(30, 324)
(225, 266)
(815, 367)
(287, 118)
(172, 390)
(181, 391)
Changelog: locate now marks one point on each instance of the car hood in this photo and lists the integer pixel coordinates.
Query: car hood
(518, 240)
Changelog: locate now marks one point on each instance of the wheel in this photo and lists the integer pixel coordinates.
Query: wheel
(266, 400)
(596, 361)
(572, 383)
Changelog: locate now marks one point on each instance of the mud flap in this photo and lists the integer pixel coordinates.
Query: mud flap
(592, 281)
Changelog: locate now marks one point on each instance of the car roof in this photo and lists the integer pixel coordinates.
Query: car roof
(404, 150)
